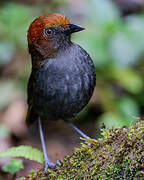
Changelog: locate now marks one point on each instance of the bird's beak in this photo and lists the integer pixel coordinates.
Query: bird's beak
(72, 28)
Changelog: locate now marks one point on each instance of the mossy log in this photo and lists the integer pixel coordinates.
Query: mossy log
(118, 155)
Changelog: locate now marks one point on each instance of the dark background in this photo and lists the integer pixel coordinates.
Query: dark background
(114, 38)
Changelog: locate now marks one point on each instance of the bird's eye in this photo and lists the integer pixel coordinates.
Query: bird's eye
(48, 32)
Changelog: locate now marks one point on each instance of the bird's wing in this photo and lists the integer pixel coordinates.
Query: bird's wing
(31, 115)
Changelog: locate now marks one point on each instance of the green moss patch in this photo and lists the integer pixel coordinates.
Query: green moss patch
(118, 155)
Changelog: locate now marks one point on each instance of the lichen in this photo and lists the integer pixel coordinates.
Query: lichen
(118, 155)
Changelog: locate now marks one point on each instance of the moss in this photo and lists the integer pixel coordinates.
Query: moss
(118, 155)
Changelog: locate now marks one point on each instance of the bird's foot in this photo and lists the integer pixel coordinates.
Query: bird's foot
(49, 164)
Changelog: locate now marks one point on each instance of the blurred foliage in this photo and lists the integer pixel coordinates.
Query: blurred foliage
(8, 92)
(14, 22)
(27, 152)
(13, 166)
(4, 131)
(115, 43)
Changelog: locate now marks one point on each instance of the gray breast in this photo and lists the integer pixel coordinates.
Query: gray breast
(64, 86)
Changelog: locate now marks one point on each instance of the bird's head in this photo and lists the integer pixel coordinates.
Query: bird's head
(49, 33)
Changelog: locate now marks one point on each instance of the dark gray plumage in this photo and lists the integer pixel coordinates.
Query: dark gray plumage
(63, 85)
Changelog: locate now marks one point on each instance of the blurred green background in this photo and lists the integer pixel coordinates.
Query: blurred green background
(114, 38)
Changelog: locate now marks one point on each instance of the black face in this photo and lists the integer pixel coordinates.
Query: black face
(60, 36)
(54, 39)
(71, 28)
(52, 32)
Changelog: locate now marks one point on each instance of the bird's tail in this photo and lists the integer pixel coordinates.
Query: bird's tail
(31, 117)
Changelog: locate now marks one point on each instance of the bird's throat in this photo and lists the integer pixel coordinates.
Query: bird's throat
(39, 55)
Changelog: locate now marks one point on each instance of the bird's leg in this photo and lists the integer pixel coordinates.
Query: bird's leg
(47, 161)
(76, 129)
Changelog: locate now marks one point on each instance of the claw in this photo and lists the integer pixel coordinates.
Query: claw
(58, 162)
(49, 164)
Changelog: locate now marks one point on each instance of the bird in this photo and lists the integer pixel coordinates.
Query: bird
(63, 75)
